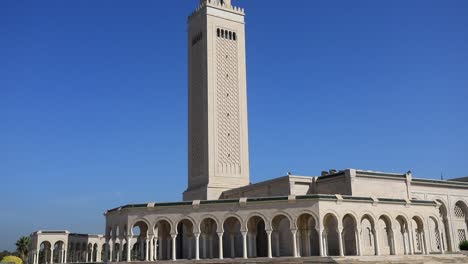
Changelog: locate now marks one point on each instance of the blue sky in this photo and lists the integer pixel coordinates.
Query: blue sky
(93, 99)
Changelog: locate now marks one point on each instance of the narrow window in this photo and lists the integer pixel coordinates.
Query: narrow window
(222, 33)
(234, 37)
(219, 33)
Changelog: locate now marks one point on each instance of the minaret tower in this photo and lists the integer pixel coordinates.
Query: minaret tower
(218, 149)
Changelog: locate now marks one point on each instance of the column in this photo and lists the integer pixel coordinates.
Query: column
(320, 240)
(376, 242)
(244, 244)
(358, 243)
(51, 255)
(441, 235)
(394, 242)
(150, 248)
(111, 246)
(294, 237)
(65, 256)
(174, 251)
(425, 243)
(269, 243)
(220, 236)
(340, 241)
(129, 248)
(298, 243)
(410, 242)
(197, 246)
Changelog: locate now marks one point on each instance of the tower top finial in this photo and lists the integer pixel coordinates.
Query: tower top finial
(222, 2)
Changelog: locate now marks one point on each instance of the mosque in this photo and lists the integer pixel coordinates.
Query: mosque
(347, 212)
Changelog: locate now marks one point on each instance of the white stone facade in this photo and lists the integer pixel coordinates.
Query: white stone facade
(339, 213)
(65, 247)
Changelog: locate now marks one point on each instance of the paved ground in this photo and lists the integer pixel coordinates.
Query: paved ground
(432, 259)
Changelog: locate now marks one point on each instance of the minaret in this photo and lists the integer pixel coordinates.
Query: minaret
(218, 149)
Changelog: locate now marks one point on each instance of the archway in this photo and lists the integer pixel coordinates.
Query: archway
(384, 230)
(138, 245)
(419, 245)
(330, 235)
(232, 238)
(103, 252)
(257, 245)
(402, 236)
(162, 231)
(445, 228)
(460, 222)
(308, 242)
(349, 235)
(116, 252)
(282, 239)
(185, 240)
(209, 241)
(434, 235)
(367, 236)
(95, 253)
(89, 251)
(45, 251)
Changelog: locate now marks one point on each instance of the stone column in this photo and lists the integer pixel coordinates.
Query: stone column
(425, 242)
(394, 242)
(358, 243)
(147, 249)
(156, 248)
(174, 251)
(340, 241)
(220, 245)
(320, 240)
(150, 248)
(197, 246)
(294, 231)
(51, 255)
(410, 242)
(441, 239)
(377, 242)
(269, 243)
(244, 244)
(129, 248)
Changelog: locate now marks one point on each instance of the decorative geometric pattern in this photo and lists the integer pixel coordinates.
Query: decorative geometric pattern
(197, 130)
(461, 235)
(459, 212)
(227, 106)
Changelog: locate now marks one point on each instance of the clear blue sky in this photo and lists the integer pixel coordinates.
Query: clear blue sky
(93, 99)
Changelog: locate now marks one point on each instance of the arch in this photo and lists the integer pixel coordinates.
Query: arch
(460, 220)
(58, 252)
(185, 239)
(262, 216)
(402, 235)
(367, 234)
(306, 225)
(446, 234)
(418, 238)
(214, 218)
(331, 235)
(350, 225)
(433, 228)
(45, 251)
(232, 237)
(139, 234)
(163, 230)
(209, 241)
(285, 214)
(282, 238)
(385, 233)
(238, 217)
(142, 224)
(256, 236)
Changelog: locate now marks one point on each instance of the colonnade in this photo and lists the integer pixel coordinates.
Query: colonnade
(258, 236)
